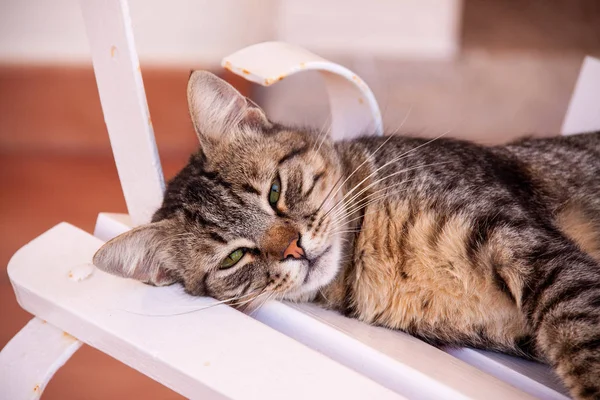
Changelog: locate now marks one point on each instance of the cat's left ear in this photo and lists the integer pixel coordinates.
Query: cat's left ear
(219, 112)
(144, 253)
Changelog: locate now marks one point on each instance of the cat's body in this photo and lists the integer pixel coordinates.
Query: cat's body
(449, 253)
(459, 244)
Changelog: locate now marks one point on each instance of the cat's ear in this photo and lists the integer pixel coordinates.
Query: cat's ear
(144, 253)
(218, 110)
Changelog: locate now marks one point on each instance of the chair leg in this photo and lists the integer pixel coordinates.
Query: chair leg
(32, 357)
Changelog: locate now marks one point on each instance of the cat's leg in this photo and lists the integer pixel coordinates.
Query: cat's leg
(561, 299)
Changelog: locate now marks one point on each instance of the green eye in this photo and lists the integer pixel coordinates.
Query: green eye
(275, 192)
(233, 258)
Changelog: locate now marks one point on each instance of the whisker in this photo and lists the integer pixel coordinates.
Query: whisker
(269, 297)
(214, 304)
(323, 294)
(384, 178)
(337, 232)
(403, 121)
(343, 232)
(376, 150)
(362, 205)
(363, 163)
(347, 223)
(322, 135)
(350, 203)
(329, 193)
(249, 301)
(403, 155)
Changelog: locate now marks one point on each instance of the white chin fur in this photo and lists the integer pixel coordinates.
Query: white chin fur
(321, 274)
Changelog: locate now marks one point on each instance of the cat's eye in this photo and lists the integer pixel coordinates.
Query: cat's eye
(233, 258)
(275, 192)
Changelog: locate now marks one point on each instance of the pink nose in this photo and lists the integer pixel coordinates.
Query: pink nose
(293, 250)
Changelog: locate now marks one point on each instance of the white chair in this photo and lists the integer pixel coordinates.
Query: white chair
(283, 351)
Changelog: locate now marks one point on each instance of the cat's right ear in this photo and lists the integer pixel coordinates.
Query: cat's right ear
(144, 253)
(219, 112)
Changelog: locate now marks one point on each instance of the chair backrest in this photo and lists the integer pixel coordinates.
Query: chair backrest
(124, 105)
(583, 114)
(118, 75)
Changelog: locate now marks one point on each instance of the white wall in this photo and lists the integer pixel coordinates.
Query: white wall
(38, 30)
(381, 28)
(186, 32)
(201, 32)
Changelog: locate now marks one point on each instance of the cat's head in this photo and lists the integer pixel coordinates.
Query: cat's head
(246, 215)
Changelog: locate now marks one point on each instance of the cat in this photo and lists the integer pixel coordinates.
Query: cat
(458, 244)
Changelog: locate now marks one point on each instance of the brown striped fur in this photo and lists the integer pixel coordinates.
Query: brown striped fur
(575, 222)
(458, 244)
(429, 289)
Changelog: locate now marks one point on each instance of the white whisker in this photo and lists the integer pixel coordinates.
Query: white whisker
(360, 207)
(350, 202)
(322, 136)
(403, 155)
(357, 168)
(269, 297)
(348, 231)
(403, 121)
(376, 150)
(214, 304)
(387, 177)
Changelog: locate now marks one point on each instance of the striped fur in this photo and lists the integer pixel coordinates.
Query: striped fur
(458, 244)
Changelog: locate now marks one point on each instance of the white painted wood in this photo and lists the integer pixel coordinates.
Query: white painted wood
(32, 357)
(110, 225)
(354, 109)
(531, 377)
(394, 359)
(583, 114)
(123, 100)
(214, 353)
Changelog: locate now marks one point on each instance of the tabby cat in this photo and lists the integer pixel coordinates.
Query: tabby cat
(458, 244)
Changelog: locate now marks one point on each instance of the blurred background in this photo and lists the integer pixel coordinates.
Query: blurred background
(488, 70)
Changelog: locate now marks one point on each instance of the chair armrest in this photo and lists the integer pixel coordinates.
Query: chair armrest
(214, 353)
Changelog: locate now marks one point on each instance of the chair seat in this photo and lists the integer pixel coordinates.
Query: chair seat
(214, 353)
(394, 359)
(166, 334)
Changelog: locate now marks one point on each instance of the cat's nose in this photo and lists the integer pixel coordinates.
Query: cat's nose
(293, 250)
(281, 241)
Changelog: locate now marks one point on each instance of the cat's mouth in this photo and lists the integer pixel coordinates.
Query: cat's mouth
(313, 262)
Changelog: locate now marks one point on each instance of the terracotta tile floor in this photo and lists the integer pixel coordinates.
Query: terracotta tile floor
(39, 191)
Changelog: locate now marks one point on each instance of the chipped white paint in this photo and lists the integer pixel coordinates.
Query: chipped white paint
(30, 359)
(214, 353)
(583, 114)
(81, 272)
(354, 110)
(123, 100)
